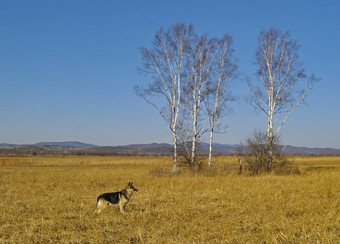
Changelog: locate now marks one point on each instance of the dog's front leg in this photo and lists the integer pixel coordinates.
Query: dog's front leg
(122, 207)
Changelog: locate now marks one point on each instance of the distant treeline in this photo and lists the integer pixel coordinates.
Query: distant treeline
(144, 150)
(65, 150)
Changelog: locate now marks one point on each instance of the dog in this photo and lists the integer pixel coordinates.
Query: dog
(120, 198)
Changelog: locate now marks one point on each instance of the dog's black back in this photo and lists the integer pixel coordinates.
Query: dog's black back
(111, 197)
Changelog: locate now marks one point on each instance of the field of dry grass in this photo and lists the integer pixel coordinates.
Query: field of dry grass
(51, 200)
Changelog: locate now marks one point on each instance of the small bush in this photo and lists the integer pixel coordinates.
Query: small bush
(256, 156)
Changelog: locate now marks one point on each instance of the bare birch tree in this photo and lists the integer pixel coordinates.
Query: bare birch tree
(200, 61)
(224, 68)
(164, 63)
(279, 72)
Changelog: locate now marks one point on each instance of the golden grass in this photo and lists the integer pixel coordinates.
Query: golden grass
(50, 200)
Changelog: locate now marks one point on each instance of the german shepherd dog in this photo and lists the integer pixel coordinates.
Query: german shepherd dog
(120, 198)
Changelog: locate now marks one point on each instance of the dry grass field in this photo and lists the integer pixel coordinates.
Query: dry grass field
(51, 200)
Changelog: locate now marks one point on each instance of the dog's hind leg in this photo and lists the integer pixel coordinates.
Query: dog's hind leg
(100, 206)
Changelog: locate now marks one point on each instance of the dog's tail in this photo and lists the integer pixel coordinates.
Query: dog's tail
(90, 212)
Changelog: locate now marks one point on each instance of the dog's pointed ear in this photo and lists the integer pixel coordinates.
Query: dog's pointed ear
(130, 183)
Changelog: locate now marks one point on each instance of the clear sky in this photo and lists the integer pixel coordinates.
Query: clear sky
(68, 68)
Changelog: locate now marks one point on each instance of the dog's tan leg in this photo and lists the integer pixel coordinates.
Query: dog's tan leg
(122, 207)
(100, 206)
(99, 210)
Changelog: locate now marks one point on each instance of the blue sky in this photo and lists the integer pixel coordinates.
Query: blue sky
(68, 68)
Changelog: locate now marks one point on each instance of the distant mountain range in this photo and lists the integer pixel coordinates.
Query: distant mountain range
(67, 144)
(156, 149)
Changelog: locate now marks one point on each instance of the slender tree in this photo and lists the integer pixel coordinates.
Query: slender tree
(196, 88)
(224, 68)
(279, 72)
(164, 64)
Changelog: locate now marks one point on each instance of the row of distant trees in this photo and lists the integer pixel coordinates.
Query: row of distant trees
(189, 83)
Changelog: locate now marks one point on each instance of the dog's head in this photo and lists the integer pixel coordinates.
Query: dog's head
(131, 188)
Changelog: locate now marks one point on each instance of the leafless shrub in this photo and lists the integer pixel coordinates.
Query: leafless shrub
(256, 154)
(196, 164)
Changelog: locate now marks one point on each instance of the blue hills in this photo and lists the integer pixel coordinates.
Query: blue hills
(153, 149)
(67, 144)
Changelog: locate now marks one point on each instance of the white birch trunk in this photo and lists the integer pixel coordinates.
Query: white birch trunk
(270, 126)
(194, 132)
(193, 149)
(240, 165)
(210, 145)
(175, 150)
(271, 107)
(223, 75)
(270, 142)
